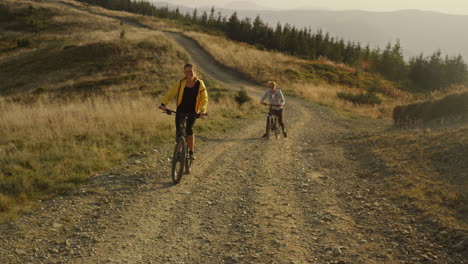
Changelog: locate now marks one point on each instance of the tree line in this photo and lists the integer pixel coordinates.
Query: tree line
(424, 73)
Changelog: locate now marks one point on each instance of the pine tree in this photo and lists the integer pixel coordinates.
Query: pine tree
(212, 19)
(425, 73)
(195, 16)
(233, 27)
(220, 22)
(277, 40)
(245, 33)
(259, 30)
(204, 19)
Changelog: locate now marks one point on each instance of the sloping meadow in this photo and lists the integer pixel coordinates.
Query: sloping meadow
(319, 81)
(49, 146)
(427, 170)
(424, 159)
(75, 51)
(448, 109)
(81, 97)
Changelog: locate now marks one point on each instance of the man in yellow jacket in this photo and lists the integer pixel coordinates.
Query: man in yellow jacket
(192, 99)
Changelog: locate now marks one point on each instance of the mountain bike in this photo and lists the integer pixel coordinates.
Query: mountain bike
(272, 123)
(181, 160)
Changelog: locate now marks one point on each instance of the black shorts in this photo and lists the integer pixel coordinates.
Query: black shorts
(189, 119)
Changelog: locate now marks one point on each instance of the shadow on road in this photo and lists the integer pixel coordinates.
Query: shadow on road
(225, 140)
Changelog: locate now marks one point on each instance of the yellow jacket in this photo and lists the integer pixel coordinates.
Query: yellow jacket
(178, 90)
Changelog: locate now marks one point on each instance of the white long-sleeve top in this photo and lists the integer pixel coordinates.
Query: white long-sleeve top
(276, 99)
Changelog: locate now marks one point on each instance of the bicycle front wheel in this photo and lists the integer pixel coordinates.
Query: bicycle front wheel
(178, 160)
(188, 164)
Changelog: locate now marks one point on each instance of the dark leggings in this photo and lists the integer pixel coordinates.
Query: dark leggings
(279, 113)
(180, 117)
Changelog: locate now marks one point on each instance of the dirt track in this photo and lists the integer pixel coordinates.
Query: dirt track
(303, 199)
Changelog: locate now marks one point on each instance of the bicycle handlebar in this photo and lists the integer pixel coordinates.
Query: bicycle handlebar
(272, 104)
(170, 112)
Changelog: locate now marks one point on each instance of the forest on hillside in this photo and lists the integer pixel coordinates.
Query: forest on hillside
(420, 73)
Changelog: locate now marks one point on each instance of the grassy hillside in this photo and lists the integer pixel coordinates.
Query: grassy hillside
(450, 108)
(424, 169)
(319, 81)
(75, 51)
(322, 81)
(79, 94)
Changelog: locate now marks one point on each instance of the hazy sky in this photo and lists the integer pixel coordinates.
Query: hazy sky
(444, 6)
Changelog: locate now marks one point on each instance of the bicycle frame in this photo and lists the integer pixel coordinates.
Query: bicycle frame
(181, 161)
(272, 122)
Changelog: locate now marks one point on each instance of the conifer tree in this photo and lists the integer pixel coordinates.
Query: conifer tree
(212, 19)
(233, 27)
(195, 16)
(204, 19)
(424, 73)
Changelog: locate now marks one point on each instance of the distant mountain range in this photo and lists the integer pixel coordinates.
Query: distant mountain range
(418, 31)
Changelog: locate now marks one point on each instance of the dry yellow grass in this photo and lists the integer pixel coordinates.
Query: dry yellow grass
(427, 170)
(260, 65)
(71, 25)
(439, 94)
(326, 94)
(419, 158)
(81, 98)
(153, 22)
(48, 147)
(263, 66)
(78, 48)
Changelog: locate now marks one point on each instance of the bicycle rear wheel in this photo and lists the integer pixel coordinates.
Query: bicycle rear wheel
(275, 127)
(178, 160)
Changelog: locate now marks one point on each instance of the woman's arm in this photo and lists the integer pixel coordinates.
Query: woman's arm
(264, 97)
(282, 101)
(203, 97)
(171, 93)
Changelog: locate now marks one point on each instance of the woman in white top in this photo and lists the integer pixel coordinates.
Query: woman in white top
(276, 98)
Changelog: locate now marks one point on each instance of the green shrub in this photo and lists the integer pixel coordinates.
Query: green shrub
(260, 47)
(242, 97)
(5, 203)
(217, 93)
(23, 43)
(152, 46)
(375, 85)
(292, 74)
(451, 106)
(330, 77)
(361, 98)
(349, 79)
(323, 67)
(5, 14)
(32, 18)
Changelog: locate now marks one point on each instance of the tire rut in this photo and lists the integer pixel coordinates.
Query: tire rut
(248, 200)
(184, 212)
